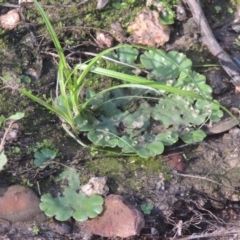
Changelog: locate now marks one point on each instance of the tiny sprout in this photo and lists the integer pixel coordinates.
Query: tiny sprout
(146, 208)
(218, 9)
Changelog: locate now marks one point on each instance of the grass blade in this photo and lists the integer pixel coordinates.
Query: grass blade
(139, 80)
(54, 38)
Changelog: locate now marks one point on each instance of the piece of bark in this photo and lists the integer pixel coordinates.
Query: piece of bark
(226, 62)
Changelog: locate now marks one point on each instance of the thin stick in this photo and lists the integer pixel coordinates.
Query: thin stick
(94, 54)
(221, 232)
(5, 135)
(198, 177)
(226, 62)
(10, 5)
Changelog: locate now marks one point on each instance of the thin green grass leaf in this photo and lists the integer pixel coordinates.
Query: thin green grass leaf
(84, 105)
(54, 38)
(57, 111)
(140, 80)
(87, 68)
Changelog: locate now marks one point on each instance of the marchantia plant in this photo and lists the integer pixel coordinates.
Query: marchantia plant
(73, 202)
(144, 121)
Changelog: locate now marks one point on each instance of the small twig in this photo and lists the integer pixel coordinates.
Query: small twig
(198, 177)
(209, 212)
(116, 61)
(10, 5)
(5, 136)
(84, 1)
(39, 190)
(221, 232)
(226, 62)
(179, 228)
(55, 55)
(61, 164)
(94, 55)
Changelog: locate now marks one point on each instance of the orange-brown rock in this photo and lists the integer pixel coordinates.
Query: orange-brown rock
(119, 218)
(176, 161)
(18, 203)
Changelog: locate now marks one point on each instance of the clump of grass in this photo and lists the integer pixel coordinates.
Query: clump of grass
(78, 114)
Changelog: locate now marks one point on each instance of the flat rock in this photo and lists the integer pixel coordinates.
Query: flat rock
(18, 204)
(119, 218)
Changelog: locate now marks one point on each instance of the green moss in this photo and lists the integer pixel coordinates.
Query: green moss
(235, 2)
(126, 171)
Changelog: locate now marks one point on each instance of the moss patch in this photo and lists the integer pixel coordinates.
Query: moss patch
(126, 174)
